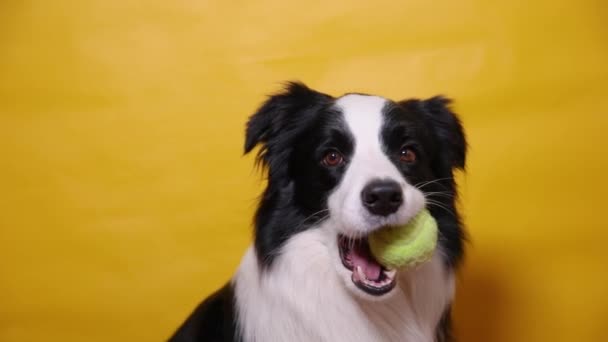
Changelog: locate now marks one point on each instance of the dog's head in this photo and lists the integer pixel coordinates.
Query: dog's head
(351, 165)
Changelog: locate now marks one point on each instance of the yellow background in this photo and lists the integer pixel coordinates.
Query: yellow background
(125, 198)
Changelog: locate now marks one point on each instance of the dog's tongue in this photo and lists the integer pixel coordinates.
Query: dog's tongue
(362, 257)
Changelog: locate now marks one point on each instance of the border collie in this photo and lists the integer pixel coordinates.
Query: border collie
(338, 169)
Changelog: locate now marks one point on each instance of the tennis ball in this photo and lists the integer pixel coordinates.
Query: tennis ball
(407, 245)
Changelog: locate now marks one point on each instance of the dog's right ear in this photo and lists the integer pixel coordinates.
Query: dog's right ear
(281, 116)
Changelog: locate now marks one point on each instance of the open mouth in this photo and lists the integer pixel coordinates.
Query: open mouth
(368, 275)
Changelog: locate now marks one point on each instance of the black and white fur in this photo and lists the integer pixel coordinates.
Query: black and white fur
(291, 284)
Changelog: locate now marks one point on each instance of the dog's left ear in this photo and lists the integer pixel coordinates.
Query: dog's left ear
(446, 126)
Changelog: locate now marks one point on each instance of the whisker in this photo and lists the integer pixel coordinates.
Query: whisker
(423, 184)
(433, 181)
(286, 234)
(312, 216)
(439, 205)
(439, 193)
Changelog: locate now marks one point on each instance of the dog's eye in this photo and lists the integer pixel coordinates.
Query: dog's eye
(407, 155)
(332, 158)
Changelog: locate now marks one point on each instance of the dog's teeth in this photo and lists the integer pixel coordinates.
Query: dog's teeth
(360, 273)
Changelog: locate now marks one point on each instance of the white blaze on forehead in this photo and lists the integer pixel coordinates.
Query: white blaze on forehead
(363, 116)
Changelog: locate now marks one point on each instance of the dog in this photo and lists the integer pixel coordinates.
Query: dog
(337, 170)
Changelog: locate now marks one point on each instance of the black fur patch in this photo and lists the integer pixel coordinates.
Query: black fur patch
(444, 328)
(293, 129)
(214, 320)
(446, 151)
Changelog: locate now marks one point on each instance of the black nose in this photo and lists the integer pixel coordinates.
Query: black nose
(382, 197)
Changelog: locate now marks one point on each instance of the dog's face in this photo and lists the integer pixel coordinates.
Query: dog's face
(352, 165)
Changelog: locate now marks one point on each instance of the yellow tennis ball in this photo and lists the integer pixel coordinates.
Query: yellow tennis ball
(407, 245)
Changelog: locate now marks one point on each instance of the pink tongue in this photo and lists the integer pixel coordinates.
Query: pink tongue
(361, 256)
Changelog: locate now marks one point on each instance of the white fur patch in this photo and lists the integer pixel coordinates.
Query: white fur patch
(302, 298)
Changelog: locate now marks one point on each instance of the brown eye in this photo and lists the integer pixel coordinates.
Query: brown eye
(332, 158)
(407, 155)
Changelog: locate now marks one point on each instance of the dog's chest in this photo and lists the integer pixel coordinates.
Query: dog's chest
(296, 304)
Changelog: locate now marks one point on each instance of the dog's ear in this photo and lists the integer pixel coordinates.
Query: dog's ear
(276, 122)
(446, 126)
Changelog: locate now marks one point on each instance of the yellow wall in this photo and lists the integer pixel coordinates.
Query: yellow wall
(125, 199)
